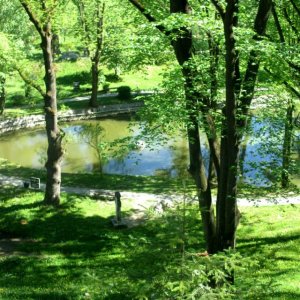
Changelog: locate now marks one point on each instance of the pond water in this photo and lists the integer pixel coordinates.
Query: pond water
(28, 148)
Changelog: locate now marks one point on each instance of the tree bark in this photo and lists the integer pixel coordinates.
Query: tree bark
(95, 84)
(95, 59)
(2, 94)
(226, 198)
(54, 135)
(232, 133)
(182, 46)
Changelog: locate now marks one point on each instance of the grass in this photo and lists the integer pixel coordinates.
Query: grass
(271, 235)
(76, 104)
(68, 72)
(74, 253)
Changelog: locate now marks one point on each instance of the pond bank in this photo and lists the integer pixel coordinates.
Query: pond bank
(13, 124)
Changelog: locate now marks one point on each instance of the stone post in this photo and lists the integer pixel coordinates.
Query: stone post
(118, 206)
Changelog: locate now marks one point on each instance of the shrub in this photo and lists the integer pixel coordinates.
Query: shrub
(17, 100)
(113, 78)
(106, 87)
(124, 92)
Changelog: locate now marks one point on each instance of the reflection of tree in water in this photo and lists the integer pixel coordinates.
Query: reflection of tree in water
(180, 159)
(93, 135)
(42, 155)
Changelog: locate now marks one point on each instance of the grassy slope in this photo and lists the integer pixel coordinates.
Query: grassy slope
(73, 253)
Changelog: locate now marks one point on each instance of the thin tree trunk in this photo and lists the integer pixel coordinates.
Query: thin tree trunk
(2, 95)
(286, 149)
(227, 212)
(96, 57)
(95, 83)
(183, 49)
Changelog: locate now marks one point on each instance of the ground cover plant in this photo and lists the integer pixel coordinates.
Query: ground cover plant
(74, 253)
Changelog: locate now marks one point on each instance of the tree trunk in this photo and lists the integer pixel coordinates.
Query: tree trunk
(2, 94)
(183, 49)
(286, 149)
(96, 57)
(197, 170)
(226, 200)
(95, 83)
(54, 136)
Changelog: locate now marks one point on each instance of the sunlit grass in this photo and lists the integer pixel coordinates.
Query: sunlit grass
(69, 72)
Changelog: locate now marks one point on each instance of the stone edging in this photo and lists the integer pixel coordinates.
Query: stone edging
(13, 124)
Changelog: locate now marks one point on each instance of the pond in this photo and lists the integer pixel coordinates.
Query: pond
(28, 148)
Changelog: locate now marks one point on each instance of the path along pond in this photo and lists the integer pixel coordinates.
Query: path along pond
(259, 162)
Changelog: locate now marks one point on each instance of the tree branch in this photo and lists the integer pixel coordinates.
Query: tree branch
(219, 8)
(277, 24)
(85, 27)
(29, 81)
(33, 18)
(287, 17)
(288, 85)
(260, 25)
(148, 16)
(294, 66)
(295, 7)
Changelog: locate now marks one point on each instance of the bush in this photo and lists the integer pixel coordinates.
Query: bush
(17, 100)
(124, 92)
(113, 78)
(105, 87)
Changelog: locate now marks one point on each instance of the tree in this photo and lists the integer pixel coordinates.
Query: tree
(128, 44)
(4, 50)
(91, 15)
(287, 13)
(219, 230)
(40, 14)
(2, 92)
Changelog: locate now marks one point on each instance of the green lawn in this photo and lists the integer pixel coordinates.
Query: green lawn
(69, 72)
(74, 253)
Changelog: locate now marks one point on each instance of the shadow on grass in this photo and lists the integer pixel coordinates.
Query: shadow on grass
(252, 245)
(84, 77)
(9, 193)
(85, 251)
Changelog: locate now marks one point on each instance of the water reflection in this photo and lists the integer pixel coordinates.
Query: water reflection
(28, 148)
(259, 156)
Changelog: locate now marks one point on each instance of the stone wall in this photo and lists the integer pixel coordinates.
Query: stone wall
(13, 124)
